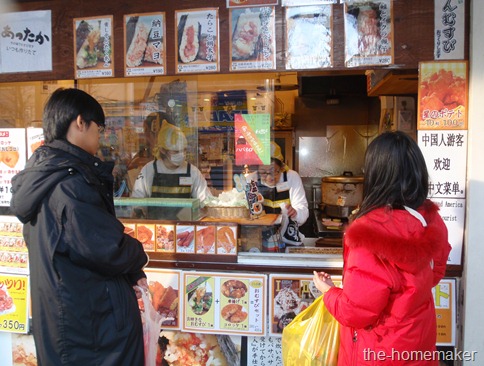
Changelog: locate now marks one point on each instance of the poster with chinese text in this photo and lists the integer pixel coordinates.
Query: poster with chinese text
(26, 41)
(309, 37)
(14, 256)
(252, 39)
(252, 139)
(93, 47)
(445, 153)
(144, 44)
(368, 33)
(12, 160)
(164, 288)
(288, 296)
(197, 46)
(14, 300)
(449, 32)
(442, 95)
(224, 303)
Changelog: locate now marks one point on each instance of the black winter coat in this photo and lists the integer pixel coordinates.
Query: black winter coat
(82, 265)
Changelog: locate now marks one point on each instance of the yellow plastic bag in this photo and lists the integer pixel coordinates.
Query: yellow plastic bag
(312, 338)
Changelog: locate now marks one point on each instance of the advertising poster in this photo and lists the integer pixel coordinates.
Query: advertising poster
(197, 46)
(93, 47)
(288, 296)
(145, 44)
(307, 2)
(224, 303)
(445, 298)
(368, 33)
(309, 37)
(35, 138)
(442, 95)
(252, 139)
(26, 41)
(445, 153)
(449, 32)
(252, 39)
(14, 256)
(12, 160)
(14, 291)
(164, 287)
(246, 3)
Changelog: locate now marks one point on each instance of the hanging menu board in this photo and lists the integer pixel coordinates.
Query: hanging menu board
(224, 303)
(252, 39)
(442, 95)
(368, 33)
(144, 44)
(197, 46)
(309, 37)
(93, 46)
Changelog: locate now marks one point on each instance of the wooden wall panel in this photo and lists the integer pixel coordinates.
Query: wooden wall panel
(413, 39)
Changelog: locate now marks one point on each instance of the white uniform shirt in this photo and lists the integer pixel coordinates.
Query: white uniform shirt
(297, 195)
(142, 185)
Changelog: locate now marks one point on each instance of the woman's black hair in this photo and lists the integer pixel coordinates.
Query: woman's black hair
(395, 173)
(63, 107)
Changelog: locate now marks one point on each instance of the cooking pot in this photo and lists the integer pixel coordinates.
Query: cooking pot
(341, 194)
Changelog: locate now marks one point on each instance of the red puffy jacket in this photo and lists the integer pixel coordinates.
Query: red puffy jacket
(386, 309)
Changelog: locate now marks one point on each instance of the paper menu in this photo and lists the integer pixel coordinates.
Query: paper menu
(224, 303)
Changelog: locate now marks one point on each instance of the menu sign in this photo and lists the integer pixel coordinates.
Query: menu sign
(309, 37)
(164, 288)
(288, 296)
(445, 153)
(26, 41)
(449, 23)
(13, 250)
(224, 303)
(252, 139)
(93, 46)
(442, 95)
(253, 41)
(368, 33)
(14, 290)
(445, 299)
(197, 46)
(12, 160)
(144, 44)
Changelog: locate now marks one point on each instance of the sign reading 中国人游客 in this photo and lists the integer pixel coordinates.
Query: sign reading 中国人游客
(26, 41)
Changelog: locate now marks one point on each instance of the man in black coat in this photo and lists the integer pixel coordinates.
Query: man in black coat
(82, 265)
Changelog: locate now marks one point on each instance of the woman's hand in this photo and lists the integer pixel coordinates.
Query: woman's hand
(143, 284)
(322, 281)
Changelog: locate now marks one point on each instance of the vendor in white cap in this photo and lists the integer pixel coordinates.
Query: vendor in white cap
(279, 184)
(170, 175)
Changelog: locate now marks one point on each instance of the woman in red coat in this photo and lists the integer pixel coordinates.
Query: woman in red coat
(395, 252)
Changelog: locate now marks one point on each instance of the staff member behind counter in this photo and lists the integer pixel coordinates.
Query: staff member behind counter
(279, 184)
(170, 175)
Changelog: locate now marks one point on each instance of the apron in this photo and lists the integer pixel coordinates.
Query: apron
(166, 185)
(272, 197)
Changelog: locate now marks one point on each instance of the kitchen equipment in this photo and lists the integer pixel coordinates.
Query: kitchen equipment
(341, 194)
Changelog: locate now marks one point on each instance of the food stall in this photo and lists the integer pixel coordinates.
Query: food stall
(209, 255)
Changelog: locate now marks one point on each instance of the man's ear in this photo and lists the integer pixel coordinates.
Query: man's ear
(81, 125)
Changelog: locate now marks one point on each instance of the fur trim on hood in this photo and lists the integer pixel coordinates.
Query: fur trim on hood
(399, 237)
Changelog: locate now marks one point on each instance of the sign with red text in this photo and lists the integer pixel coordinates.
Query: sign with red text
(14, 303)
(445, 309)
(252, 139)
(12, 160)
